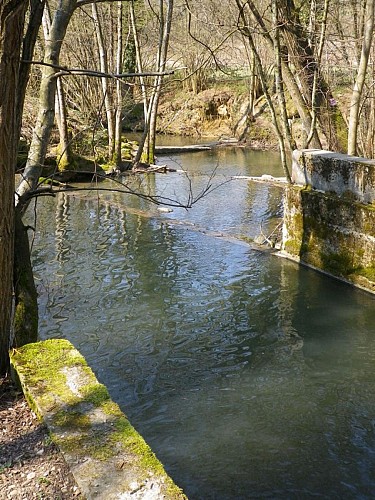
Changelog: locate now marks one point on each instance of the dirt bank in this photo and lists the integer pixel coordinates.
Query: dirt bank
(218, 112)
(31, 467)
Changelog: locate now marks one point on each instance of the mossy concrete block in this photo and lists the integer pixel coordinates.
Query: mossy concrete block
(106, 455)
(344, 175)
(330, 233)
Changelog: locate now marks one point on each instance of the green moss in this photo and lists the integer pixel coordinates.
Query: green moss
(95, 393)
(340, 264)
(111, 408)
(367, 272)
(47, 356)
(21, 314)
(128, 436)
(292, 247)
(72, 444)
(72, 419)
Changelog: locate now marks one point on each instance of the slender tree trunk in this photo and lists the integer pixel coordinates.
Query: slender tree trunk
(139, 64)
(65, 157)
(304, 62)
(33, 26)
(312, 22)
(165, 28)
(65, 154)
(314, 113)
(242, 126)
(118, 125)
(263, 82)
(289, 78)
(46, 114)
(360, 80)
(12, 15)
(107, 96)
(279, 80)
(358, 9)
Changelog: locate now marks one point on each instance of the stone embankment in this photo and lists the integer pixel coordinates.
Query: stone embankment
(329, 215)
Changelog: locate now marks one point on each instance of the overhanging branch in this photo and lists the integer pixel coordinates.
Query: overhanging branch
(63, 70)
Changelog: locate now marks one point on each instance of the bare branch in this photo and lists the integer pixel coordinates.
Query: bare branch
(63, 70)
(122, 187)
(81, 3)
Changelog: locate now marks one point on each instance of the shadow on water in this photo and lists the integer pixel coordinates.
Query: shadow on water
(249, 377)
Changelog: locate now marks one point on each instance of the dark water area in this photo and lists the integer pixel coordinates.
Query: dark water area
(250, 377)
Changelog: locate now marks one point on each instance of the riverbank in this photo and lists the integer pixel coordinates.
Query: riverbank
(219, 112)
(31, 466)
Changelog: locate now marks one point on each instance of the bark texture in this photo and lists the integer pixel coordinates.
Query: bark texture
(46, 114)
(12, 14)
(360, 80)
(25, 327)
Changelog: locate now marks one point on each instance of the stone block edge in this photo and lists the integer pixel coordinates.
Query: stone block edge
(107, 456)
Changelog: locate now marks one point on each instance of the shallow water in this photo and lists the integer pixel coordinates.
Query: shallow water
(249, 376)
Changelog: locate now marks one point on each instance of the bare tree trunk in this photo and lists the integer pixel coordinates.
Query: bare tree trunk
(316, 73)
(312, 22)
(12, 15)
(65, 154)
(146, 149)
(243, 125)
(138, 156)
(358, 9)
(279, 81)
(107, 96)
(25, 327)
(35, 19)
(289, 78)
(304, 62)
(25, 324)
(118, 125)
(263, 82)
(360, 80)
(165, 28)
(60, 106)
(46, 114)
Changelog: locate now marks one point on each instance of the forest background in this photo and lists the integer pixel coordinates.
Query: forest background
(75, 75)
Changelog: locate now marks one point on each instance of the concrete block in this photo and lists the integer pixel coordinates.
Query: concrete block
(106, 455)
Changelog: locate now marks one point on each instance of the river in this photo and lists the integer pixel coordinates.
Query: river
(249, 376)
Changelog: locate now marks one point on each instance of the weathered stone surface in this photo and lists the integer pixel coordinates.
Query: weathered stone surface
(106, 455)
(329, 222)
(337, 173)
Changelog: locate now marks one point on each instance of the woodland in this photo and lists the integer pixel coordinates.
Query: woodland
(76, 74)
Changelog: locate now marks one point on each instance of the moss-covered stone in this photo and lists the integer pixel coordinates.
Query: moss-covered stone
(94, 435)
(329, 232)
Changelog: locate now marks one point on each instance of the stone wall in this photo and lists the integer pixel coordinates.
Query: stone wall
(329, 215)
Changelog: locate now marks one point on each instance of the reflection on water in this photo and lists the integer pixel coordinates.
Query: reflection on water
(249, 377)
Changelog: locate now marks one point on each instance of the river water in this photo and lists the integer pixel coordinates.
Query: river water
(250, 377)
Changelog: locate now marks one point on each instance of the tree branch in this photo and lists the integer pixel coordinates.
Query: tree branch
(81, 3)
(63, 70)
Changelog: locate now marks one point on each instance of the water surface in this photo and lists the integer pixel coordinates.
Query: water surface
(249, 376)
